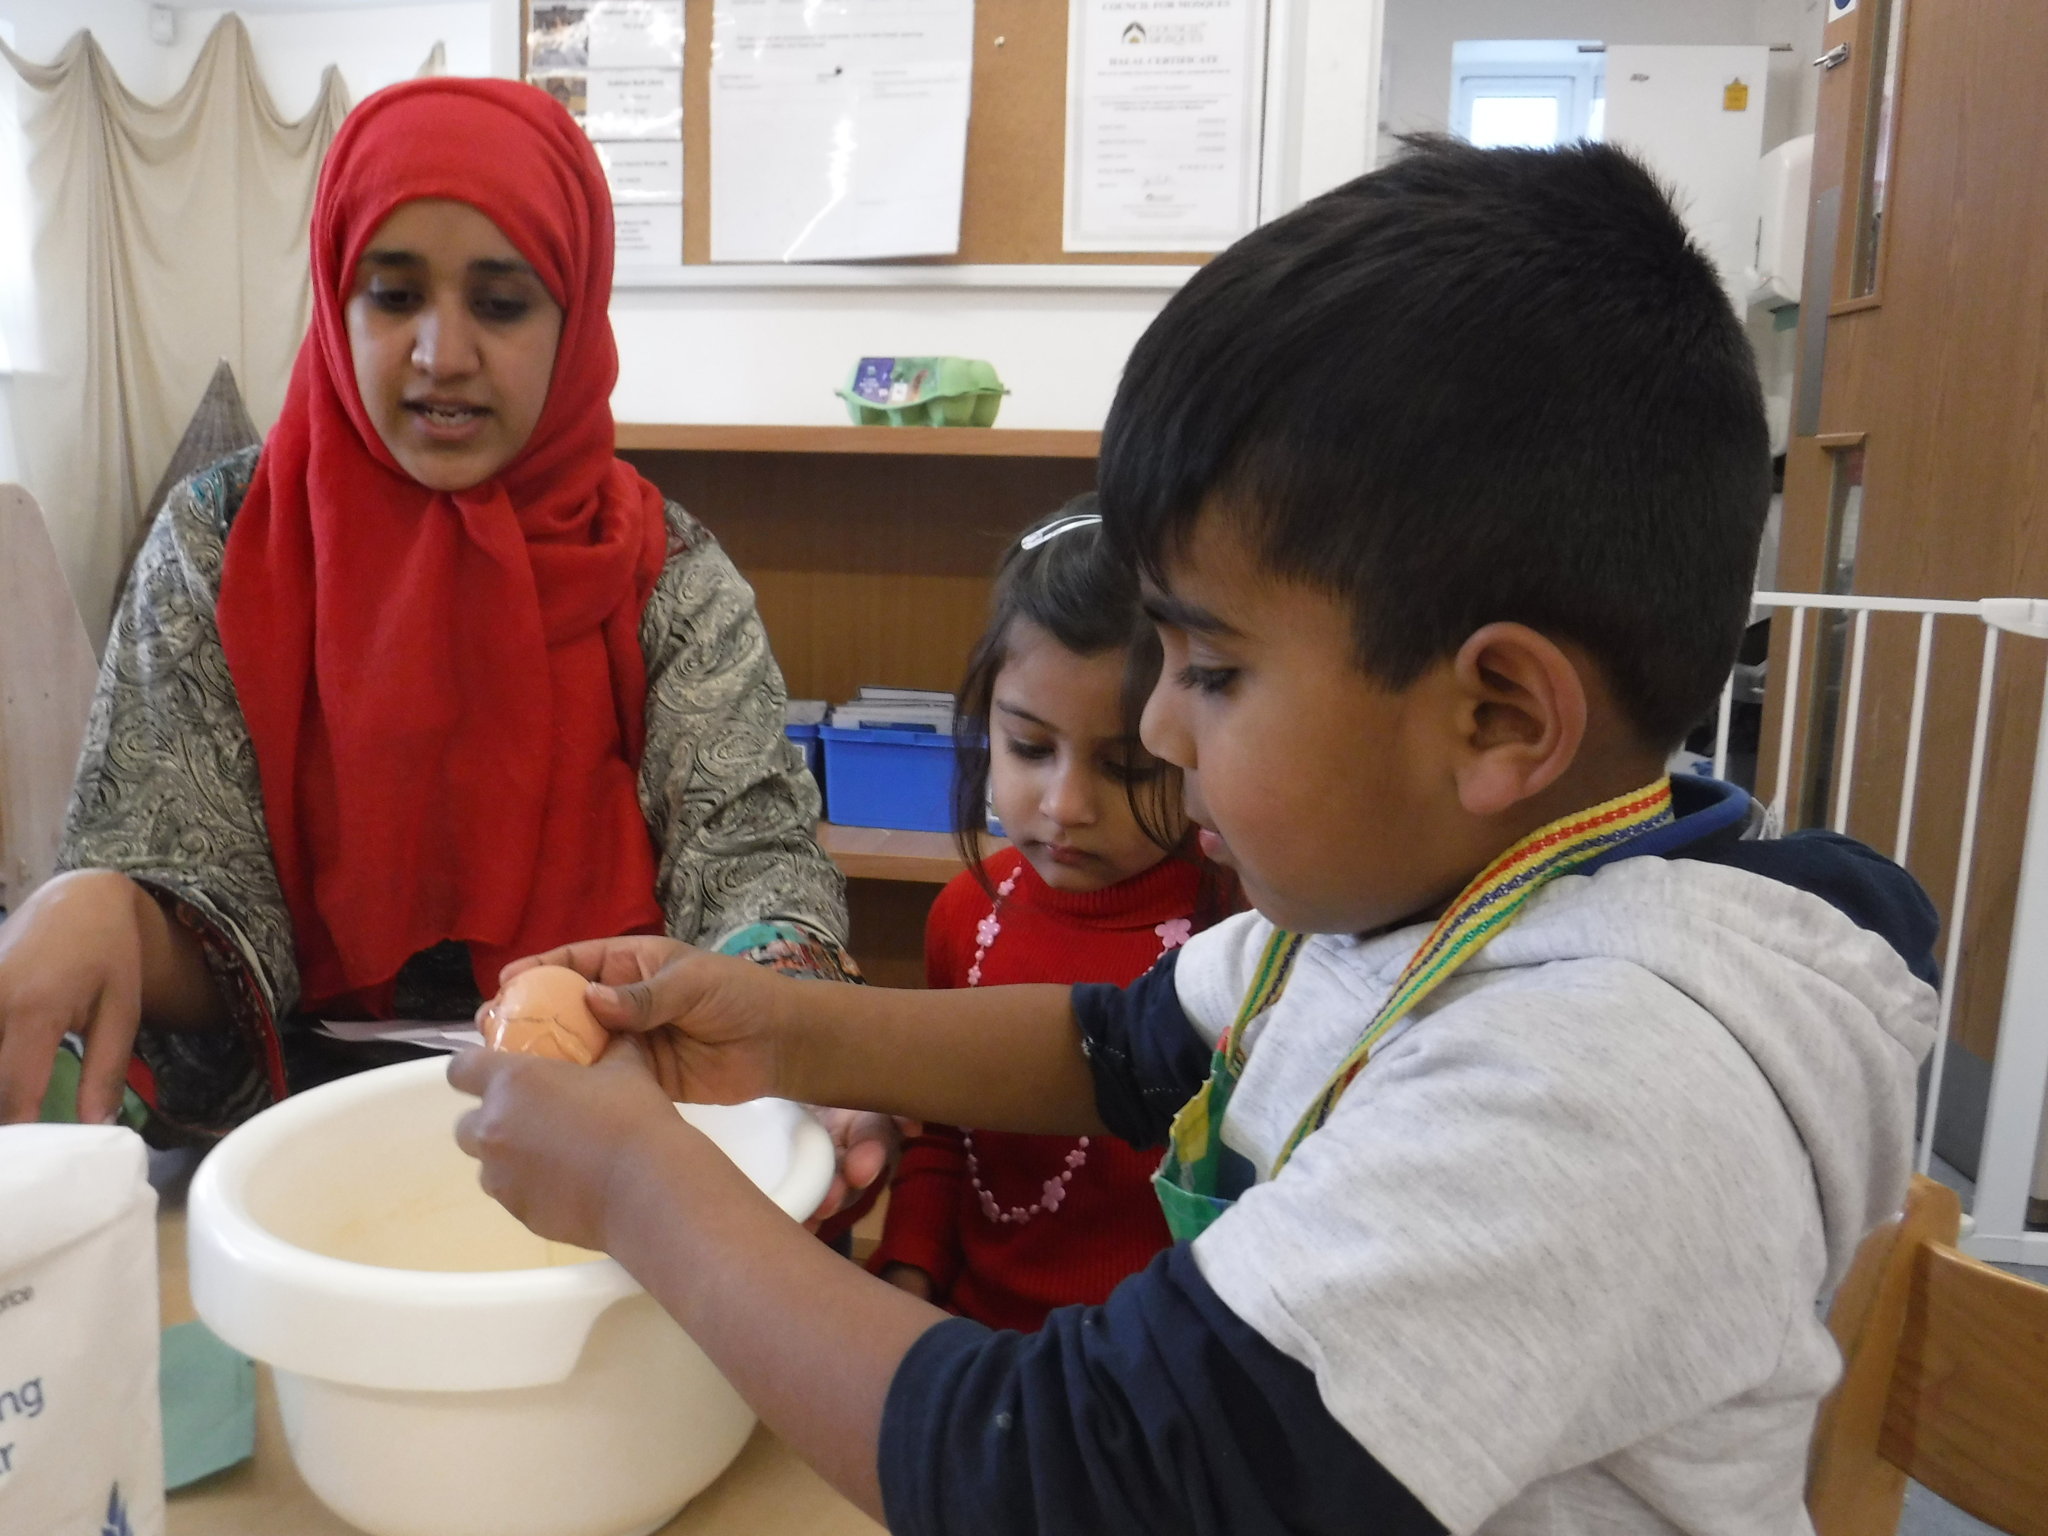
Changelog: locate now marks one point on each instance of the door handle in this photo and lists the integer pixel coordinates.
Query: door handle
(1834, 58)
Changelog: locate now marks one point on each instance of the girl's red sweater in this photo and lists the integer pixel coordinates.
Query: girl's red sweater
(1108, 1225)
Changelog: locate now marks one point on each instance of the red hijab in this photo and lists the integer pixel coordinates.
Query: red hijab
(445, 690)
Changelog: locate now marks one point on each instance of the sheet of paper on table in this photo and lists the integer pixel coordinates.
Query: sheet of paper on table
(838, 128)
(1163, 105)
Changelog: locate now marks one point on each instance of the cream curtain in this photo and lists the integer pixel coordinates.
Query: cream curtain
(168, 238)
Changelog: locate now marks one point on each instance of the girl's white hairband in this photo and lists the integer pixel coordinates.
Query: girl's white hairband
(1051, 531)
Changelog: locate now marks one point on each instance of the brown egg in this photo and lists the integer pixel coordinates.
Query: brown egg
(541, 1012)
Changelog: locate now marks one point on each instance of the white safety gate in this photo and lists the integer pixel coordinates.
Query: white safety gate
(2010, 1161)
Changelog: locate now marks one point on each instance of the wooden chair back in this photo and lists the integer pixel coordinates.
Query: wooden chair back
(47, 674)
(1945, 1381)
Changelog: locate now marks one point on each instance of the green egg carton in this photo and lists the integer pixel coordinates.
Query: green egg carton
(923, 392)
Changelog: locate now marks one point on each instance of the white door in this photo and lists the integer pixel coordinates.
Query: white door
(1696, 115)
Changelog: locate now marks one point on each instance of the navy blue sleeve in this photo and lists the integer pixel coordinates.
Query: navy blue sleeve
(1146, 1057)
(1160, 1411)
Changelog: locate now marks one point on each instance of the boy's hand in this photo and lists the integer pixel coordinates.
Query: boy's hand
(555, 1139)
(712, 1024)
(708, 1025)
(706, 1021)
(612, 962)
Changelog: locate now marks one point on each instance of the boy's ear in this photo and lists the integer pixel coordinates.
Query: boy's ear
(1522, 716)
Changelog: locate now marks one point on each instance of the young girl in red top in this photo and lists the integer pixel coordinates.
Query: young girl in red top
(1101, 880)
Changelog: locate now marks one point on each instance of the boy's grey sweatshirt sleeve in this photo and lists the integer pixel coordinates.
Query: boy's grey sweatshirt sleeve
(1160, 1411)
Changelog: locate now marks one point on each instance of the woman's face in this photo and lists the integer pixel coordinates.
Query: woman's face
(454, 340)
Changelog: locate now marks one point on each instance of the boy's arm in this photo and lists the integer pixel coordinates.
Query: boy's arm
(1144, 1054)
(1046, 1060)
(722, 1031)
(810, 1341)
(1008, 1058)
(1158, 1413)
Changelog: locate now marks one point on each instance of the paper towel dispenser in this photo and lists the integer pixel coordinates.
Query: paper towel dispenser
(1784, 175)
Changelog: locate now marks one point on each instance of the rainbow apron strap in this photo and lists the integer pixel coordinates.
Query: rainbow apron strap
(1201, 1178)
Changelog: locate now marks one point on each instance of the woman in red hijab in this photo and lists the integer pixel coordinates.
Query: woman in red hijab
(431, 681)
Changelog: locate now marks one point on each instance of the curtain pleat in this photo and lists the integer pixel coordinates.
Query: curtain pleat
(168, 237)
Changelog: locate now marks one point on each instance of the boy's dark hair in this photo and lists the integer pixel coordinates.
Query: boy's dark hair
(1475, 385)
(1075, 588)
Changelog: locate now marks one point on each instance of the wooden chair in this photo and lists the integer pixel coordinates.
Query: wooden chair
(47, 672)
(1945, 1381)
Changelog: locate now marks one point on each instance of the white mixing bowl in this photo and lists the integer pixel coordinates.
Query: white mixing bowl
(440, 1370)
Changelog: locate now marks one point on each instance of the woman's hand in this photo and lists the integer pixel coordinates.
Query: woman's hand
(867, 1144)
(908, 1277)
(71, 959)
(555, 1140)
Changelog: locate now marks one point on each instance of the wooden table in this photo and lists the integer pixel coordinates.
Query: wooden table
(767, 1492)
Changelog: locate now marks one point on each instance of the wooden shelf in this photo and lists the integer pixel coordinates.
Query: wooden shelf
(915, 442)
(875, 853)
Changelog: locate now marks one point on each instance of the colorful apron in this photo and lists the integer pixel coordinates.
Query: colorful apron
(1201, 1178)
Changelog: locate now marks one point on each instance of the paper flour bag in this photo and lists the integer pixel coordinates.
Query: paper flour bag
(81, 1436)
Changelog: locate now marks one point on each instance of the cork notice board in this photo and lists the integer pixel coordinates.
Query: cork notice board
(1012, 202)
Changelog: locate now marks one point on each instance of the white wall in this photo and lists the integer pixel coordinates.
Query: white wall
(1415, 67)
(43, 27)
(716, 350)
(731, 353)
(372, 45)
(10, 465)
(774, 354)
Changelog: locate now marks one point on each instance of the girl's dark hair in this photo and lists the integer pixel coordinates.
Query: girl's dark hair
(1075, 588)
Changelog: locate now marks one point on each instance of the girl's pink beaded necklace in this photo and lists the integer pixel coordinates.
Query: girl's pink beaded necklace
(1172, 934)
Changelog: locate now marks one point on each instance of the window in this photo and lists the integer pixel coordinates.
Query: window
(1825, 719)
(1501, 113)
(1886, 31)
(1529, 94)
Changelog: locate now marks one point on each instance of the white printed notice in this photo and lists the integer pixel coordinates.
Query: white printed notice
(838, 127)
(1163, 104)
(643, 172)
(634, 104)
(648, 234)
(617, 65)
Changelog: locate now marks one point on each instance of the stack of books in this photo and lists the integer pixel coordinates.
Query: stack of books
(896, 709)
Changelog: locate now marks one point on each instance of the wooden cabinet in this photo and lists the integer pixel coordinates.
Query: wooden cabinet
(870, 550)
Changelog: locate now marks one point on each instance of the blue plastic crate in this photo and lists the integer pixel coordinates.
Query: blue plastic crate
(902, 780)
